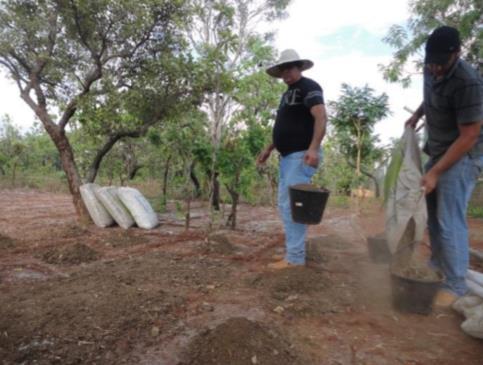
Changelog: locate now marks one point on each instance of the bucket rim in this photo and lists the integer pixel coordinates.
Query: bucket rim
(309, 188)
(425, 281)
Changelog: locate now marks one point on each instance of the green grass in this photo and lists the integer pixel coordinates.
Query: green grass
(339, 201)
(475, 211)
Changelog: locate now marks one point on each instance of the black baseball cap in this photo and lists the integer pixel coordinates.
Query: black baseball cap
(441, 44)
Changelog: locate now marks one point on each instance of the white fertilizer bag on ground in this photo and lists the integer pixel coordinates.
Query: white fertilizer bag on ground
(98, 213)
(471, 305)
(109, 198)
(139, 207)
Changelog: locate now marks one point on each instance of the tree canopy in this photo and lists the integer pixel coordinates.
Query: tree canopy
(426, 15)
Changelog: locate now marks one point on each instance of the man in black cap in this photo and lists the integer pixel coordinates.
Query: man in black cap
(453, 107)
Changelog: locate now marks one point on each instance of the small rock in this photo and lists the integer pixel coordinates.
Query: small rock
(254, 359)
(207, 307)
(291, 298)
(154, 331)
(279, 309)
(210, 287)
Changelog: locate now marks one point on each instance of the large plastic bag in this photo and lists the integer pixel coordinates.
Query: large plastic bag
(109, 198)
(98, 213)
(406, 213)
(474, 281)
(471, 305)
(139, 207)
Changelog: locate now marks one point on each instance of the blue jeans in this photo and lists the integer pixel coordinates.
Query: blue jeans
(293, 170)
(448, 230)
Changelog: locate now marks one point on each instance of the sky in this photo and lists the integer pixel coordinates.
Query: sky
(344, 40)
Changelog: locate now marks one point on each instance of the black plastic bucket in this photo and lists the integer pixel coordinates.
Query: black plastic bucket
(414, 296)
(378, 250)
(307, 203)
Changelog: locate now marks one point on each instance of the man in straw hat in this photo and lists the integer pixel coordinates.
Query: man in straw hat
(297, 134)
(453, 107)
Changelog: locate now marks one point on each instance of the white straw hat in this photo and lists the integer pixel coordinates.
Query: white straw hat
(288, 56)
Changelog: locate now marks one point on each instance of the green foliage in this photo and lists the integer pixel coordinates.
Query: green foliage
(475, 211)
(353, 117)
(335, 174)
(393, 169)
(426, 15)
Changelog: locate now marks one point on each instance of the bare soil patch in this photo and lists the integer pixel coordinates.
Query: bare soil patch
(164, 296)
(6, 242)
(219, 243)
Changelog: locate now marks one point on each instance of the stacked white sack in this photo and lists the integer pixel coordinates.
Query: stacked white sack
(471, 305)
(98, 213)
(139, 207)
(109, 198)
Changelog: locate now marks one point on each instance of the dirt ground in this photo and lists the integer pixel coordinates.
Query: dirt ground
(73, 295)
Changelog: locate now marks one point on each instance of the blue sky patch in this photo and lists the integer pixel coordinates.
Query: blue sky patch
(354, 38)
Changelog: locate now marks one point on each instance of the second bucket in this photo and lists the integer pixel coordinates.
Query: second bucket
(307, 203)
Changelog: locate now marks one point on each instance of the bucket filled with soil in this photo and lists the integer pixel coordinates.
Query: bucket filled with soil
(378, 250)
(414, 287)
(307, 203)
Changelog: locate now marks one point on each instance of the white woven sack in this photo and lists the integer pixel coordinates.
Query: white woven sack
(406, 201)
(473, 326)
(98, 213)
(465, 304)
(109, 198)
(139, 207)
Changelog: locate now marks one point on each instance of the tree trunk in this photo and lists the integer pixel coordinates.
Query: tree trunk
(73, 179)
(359, 157)
(14, 170)
(102, 152)
(165, 179)
(215, 200)
(134, 170)
(231, 220)
(187, 217)
(195, 180)
(372, 177)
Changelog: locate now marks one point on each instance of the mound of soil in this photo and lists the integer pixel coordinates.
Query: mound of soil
(6, 242)
(70, 255)
(283, 283)
(239, 341)
(220, 244)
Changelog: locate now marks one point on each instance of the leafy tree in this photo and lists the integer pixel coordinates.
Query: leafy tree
(336, 174)
(426, 15)
(57, 51)
(12, 147)
(221, 33)
(354, 116)
(166, 88)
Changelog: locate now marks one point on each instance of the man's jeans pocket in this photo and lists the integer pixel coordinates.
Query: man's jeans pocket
(308, 170)
(477, 164)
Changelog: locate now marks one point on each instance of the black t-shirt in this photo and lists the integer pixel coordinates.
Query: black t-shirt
(294, 125)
